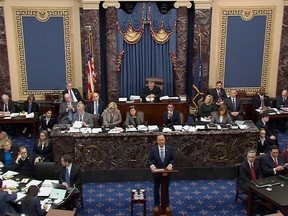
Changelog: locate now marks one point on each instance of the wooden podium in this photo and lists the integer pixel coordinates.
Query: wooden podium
(163, 211)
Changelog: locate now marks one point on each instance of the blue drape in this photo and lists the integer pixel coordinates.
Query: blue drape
(146, 57)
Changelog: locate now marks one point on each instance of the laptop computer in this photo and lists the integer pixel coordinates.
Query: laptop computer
(58, 194)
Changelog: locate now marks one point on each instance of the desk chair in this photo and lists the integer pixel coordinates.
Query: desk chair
(46, 170)
(159, 81)
(242, 195)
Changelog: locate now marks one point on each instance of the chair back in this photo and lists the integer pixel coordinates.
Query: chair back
(181, 118)
(159, 81)
(46, 170)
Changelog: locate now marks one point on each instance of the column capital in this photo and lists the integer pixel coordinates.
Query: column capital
(111, 3)
(89, 4)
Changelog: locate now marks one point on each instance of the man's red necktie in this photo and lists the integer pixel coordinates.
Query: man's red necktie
(253, 173)
(276, 162)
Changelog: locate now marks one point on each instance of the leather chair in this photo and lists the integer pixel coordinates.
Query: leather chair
(46, 170)
(181, 118)
(159, 81)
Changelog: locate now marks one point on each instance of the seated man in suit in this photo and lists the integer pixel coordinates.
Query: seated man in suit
(82, 116)
(234, 106)
(282, 102)
(219, 94)
(250, 169)
(263, 123)
(151, 92)
(73, 92)
(96, 107)
(5, 198)
(67, 109)
(171, 117)
(24, 163)
(261, 101)
(161, 157)
(272, 164)
(264, 143)
(7, 105)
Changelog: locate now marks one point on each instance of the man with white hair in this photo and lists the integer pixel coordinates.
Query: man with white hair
(82, 116)
(7, 105)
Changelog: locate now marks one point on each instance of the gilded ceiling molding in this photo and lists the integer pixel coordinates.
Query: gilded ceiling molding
(90, 4)
(107, 4)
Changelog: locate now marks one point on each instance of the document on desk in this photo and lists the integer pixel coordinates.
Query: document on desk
(166, 130)
(48, 182)
(45, 191)
(30, 115)
(9, 174)
(96, 130)
(178, 127)
(77, 124)
(19, 197)
(265, 182)
(33, 182)
(10, 183)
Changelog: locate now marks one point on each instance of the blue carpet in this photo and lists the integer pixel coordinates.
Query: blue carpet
(186, 198)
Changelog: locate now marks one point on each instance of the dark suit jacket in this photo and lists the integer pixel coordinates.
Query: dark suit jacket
(280, 102)
(245, 173)
(156, 91)
(44, 125)
(90, 107)
(11, 106)
(4, 199)
(265, 148)
(46, 154)
(176, 120)
(63, 112)
(76, 93)
(26, 167)
(268, 164)
(154, 157)
(75, 176)
(13, 151)
(230, 107)
(260, 124)
(34, 108)
(87, 118)
(131, 121)
(33, 208)
(257, 101)
(215, 95)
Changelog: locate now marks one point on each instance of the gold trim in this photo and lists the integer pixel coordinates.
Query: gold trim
(42, 15)
(247, 14)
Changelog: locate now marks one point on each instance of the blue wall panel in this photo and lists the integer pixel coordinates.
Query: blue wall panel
(44, 53)
(244, 51)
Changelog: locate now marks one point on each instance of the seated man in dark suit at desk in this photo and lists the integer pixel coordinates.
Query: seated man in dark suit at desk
(5, 198)
(24, 163)
(151, 92)
(73, 92)
(234, 106)
(250, 169)
(7, 105)
(219, 94)
(282, 102)
(272, 163)
(67, 109)
(82, 116)
(171, 117)
(96, 107)
(261, 101)
(263, 123)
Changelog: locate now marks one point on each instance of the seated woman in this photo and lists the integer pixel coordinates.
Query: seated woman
(221, 116)
(111, 116)
(29, 106)
(43, 147)
(47, 121)
(3, 137)
(207, 108)
(7, 154)
(30, 205)
(133, 118)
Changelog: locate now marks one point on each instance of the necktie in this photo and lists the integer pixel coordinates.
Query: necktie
(276, 162)
(253, 173)
(162, 156)
(262, 101)
(96, 109)
(81, 118)
(5, 107)
(219, 96)
(67, 177)
(234, 104)
(70, 116)
(71, 95)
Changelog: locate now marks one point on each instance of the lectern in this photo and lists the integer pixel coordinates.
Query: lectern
(164, 211)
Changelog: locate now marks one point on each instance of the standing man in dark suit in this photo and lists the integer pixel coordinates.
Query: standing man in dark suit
(234, 106)
(73, 92)
(249, 170)
(82, 116)
(161, 157)
(7, 105)
(5, 198)
(70, 173)
(272, 164)
(96, 107)
(171, 117)
(219, 94)
(264, 143)
(67, 109)
(261, 101)
(151, 92)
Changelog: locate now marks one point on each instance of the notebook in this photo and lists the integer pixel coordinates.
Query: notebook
(58, 194)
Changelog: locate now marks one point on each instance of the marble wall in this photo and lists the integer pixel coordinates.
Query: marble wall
(5, 86)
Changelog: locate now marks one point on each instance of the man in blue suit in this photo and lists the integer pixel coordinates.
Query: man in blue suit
(272, 164)
(171, 117)
(5, 198)
(161, 157)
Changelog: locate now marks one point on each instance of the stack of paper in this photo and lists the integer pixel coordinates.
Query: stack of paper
(142, 128)
(85, 130)
(178, 127)
(77, 124)
(10, 183)
(165, 130)
(153, 128)
(122, 99)
(131, 129)
(134, 97)
(96, 130)
(30, 115)
(73, 130)
(164, 97)
(13, 115)
(9, 174)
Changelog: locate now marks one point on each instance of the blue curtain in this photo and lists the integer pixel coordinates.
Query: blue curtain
(146, 56)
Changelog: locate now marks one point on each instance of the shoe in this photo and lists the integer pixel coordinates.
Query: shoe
(156, 208)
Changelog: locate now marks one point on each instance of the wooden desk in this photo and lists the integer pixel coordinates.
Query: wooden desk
(278, 196)
(58, 212)
(153, 112)
(21, 120)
